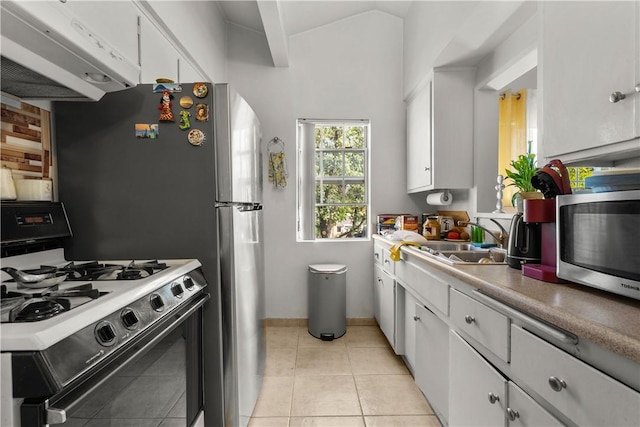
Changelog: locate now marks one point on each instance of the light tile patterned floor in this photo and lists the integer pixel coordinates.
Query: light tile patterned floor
(354, 381)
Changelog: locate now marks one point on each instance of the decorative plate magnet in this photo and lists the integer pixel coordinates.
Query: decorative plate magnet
(184, 120)
(200, 90)
(196, 137)
(202, 112)
(186, 102)
(166, 115)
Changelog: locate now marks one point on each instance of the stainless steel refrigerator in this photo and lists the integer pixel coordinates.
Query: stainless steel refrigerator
(134, 191)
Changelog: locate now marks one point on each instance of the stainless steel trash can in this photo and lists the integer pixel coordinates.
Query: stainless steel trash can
(327, 301)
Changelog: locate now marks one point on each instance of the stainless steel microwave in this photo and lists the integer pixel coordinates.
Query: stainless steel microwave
(598, 240)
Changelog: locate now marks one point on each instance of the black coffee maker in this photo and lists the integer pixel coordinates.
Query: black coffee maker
(524, 242)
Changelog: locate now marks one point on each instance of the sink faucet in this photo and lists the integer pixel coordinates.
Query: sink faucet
(502, 238)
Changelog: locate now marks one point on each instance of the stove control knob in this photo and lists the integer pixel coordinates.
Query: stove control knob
(156, 302)
(129, 319)
(105, 333)
(189, 283)
(176, 290)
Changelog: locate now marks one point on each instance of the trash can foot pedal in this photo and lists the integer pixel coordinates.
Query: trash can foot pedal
(327, 337)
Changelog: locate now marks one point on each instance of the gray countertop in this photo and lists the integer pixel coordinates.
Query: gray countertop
(606, 319)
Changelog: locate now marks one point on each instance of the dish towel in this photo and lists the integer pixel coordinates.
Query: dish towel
(395, 249)
(278, 169)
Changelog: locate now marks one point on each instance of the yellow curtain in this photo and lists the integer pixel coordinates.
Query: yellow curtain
(512, 133)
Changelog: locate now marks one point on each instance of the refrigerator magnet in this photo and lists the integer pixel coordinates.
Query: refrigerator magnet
(200, 90)
(184, 120)
(186, 102)
(202, 112)
(147, 131)
(166, 115)
(196, 137)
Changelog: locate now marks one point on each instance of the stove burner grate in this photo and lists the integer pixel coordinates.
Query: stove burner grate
(96, 271)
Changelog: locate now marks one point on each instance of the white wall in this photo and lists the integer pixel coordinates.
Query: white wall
(348, 69)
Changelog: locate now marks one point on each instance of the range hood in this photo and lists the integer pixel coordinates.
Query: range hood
(48, 54)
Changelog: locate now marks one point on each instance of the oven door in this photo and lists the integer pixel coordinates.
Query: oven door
(156, 380)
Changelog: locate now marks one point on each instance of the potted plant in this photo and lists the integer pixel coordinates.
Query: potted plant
(524, 167)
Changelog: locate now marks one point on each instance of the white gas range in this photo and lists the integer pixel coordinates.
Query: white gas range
(60, 342)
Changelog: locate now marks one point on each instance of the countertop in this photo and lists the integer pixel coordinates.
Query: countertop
(606, 319)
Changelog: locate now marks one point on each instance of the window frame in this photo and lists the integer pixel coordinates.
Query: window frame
(307, 180)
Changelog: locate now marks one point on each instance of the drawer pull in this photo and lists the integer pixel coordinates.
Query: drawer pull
(376, 255)
(512, 414)
(493, 398)
(469, 319)
(386, 261)
(416, 318)
(557, 384)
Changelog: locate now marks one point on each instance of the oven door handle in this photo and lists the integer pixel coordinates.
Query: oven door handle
(58, 415)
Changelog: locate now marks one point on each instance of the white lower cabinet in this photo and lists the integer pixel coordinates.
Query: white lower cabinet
(585, 395)
(477, 391)
(384, 303)
(406, 325)
(432, 358)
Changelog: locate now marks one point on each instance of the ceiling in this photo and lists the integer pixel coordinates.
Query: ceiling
(299, 16)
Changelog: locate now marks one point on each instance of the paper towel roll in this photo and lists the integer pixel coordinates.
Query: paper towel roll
(442, 198)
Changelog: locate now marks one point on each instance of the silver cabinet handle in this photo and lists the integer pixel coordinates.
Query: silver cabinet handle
(493, 398)
(469, 319)
(376, 255)
(512, 414)
(617, 97)
(416, 318)
(557, 384)
(379, 280)
(637, 88)
(386, 261)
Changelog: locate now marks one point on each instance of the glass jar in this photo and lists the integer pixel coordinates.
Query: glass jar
(431, 228)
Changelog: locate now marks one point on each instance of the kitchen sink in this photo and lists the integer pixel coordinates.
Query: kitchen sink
(440, 245)
(477, 256)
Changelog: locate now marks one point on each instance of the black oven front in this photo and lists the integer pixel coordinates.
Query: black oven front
(155, 380)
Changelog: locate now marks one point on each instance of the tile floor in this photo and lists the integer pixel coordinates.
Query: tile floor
(355, 380)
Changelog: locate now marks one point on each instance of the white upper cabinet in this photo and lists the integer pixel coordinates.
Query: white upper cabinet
(440, 132)
(160, 59)
(590, 51)
(419, 141)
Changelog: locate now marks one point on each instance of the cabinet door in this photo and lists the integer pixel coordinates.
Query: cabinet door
(524, 411)
(419, 141)
(589, 51)
(377, 287)
(409, 332)
(477, 392)
(432, 358)
(386, 304)
(158, 58)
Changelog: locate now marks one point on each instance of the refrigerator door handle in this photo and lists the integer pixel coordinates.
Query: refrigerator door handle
(241, 206)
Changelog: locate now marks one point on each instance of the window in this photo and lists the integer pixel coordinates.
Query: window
(333, 179)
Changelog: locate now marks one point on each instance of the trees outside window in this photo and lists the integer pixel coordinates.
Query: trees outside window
(333, 194)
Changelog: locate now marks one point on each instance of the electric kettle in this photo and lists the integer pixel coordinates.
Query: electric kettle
(524, 242)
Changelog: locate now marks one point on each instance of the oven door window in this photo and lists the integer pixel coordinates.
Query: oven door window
(602, 237)
(160, 386)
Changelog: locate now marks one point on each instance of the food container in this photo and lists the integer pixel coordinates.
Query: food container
(407, 222)
(431, 228)
(34, 189)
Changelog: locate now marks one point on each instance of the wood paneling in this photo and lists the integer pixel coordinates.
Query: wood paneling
(25, 140)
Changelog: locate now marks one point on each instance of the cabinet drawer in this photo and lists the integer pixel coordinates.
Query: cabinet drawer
(524, 411)
(584, 394)
(387, 263)
(430, 288)
(377, 254)
(483, 324)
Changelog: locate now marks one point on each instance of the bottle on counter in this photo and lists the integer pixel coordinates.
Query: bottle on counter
(431, 228)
